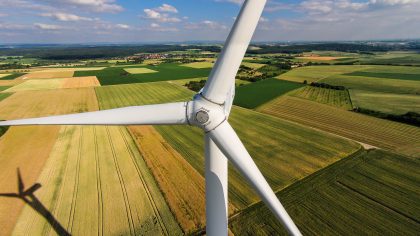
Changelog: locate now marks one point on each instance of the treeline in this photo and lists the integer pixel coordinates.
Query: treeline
(96, 52)
(196, 85)
(411, 118)
(267, 71)
(325, 85)
(341, 47)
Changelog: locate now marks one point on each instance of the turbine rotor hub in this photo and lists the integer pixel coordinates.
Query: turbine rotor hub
(204, 113)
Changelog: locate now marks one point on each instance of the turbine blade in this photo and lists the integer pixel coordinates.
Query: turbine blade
(229, 143)
(171, 113)
(223, 74)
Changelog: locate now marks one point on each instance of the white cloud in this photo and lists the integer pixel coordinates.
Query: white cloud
(47, 26)
(61, 16)
(122, 26)
(93, 5)
(238, 2)
(206, 24)
(263, 19)
(167, 8)
(160, 17)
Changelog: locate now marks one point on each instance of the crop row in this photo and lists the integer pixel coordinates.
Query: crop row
(369, 193)
(374, 131)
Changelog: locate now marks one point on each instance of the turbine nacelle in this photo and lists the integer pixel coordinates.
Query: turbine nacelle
(204, 113)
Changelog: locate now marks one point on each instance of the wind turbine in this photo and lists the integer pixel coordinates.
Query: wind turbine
(209, 110)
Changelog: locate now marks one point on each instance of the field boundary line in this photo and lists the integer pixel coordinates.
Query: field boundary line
(76, 184)
(146, 187)
(122, 184)
(315, 174)
(59, 190)
(377, 202)
(99, 186)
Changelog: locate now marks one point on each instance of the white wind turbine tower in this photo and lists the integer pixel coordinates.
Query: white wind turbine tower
(208, 110)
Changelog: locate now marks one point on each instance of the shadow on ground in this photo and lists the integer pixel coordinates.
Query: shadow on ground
(29, 198)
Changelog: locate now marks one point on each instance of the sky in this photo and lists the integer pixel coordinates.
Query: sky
(141, 21)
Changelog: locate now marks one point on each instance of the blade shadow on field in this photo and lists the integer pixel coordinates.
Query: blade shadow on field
(29, 198)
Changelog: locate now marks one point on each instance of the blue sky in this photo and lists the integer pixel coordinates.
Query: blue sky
(86, 21)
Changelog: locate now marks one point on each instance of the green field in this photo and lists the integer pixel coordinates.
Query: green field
(12, 76)
(284, 151)
(255, 94)
(316, 73)
(399, 76)
(372, 193)
(337, 98)
(392, 58)
(390, 103)
(4, 95)
(117, 75)
(141, 94)
(375, 84)
(381, 133)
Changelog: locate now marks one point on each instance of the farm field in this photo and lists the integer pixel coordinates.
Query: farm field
(199, 65)
(42, 84)
(386, 102)
(33, 141)
(4, 96)
(117, 75)
(392, 58)
(141, 94)
(53, 74)
(275, 151)
(373, 192)
(375, 84)
(95, 181)
(316, 149)
(139, 70)
(34, 146)
(80, 82)
(337, 98)
(316, 73)
(182, 185)
(383, 75)
(11, 76)
(255, 94)
(36, 84)
(48, 102)
(377, 132)
(3, 75)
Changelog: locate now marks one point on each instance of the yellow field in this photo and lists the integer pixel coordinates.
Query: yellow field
(48, 102)
(139, 70)
(26, 148)
(374, 131)
(199, 65)
(46, 70)
(80, 82)
(253, 65)
(182, 185)
(3, 75)
(53, 74)
(10, 82)
(36, 84)
(95, 182)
